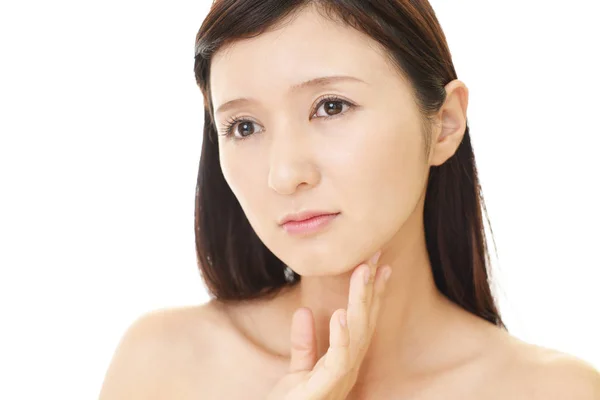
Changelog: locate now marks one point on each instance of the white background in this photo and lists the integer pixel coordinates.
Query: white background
(101, 125)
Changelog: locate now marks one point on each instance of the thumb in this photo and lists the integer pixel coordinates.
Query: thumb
(303, 355)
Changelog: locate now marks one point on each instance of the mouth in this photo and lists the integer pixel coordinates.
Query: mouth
(309, 225)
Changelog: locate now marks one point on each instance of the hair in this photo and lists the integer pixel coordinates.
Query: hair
(232, 259)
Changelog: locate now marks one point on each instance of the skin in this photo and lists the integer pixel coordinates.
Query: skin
(350, 332)
(368, 163)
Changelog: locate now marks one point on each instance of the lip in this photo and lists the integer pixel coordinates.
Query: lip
(305, 225)
(304, 216)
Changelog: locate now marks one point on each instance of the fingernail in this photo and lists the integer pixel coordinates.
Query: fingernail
(343, 318)
(375, 258)
(386, 274)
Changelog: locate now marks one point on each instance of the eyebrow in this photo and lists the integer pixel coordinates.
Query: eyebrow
(321, 81)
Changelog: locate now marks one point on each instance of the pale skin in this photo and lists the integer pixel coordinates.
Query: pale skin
(367, 163)
(350, 333)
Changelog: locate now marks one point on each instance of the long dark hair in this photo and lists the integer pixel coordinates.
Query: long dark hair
(234, 262)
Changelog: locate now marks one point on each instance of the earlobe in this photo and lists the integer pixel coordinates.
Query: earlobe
(450, 132)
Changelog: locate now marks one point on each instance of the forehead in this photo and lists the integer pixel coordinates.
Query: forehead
(307, 47)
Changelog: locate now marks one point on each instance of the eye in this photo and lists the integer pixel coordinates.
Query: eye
(241, 128)
(333, 106)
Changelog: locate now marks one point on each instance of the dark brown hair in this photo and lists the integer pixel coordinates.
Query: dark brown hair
(234, 262)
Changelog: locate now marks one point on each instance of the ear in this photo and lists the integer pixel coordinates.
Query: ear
(449, 133)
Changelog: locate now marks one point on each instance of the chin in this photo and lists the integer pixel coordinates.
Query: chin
(321, 259)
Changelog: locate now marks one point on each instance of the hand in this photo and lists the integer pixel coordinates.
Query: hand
(334, 375)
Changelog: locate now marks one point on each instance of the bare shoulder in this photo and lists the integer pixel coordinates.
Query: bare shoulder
(159, 345)
(541, 373)
(557, 375)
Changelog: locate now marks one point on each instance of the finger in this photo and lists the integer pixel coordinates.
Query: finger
(335, 364)
(370, 287)
(378, 290)
(303, 354)
(339, 342)
(373, 264)
(359, 303)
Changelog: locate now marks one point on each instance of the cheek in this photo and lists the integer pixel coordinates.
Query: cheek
(379, 185)
(243, 181)
(386, 166)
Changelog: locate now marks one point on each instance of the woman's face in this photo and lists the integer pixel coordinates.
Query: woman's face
(366, 161)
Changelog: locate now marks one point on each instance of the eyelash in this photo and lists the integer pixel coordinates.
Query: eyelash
(230, 124)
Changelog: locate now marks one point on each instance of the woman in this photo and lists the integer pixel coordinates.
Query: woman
(346, 115)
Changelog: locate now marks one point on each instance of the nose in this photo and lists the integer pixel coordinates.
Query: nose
(291, 163)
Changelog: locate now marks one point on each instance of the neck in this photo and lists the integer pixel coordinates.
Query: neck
(411, 310)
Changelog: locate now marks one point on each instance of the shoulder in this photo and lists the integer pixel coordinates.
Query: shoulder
(561, 376)
(547, 374)
(166, 331)
(155, 346)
